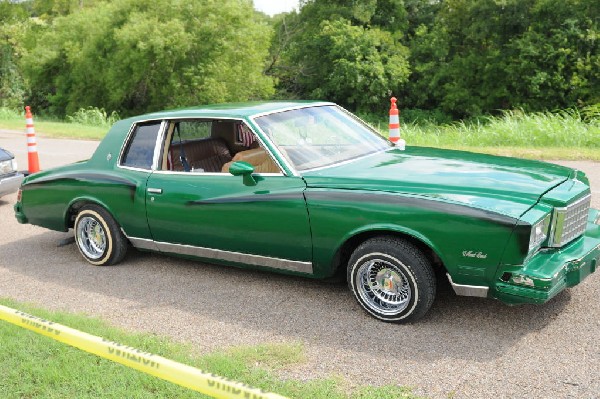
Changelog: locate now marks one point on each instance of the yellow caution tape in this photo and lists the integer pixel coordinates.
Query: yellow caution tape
(181, 374)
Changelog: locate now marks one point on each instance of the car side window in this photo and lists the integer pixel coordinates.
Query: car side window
(139, 152)
(211, 146)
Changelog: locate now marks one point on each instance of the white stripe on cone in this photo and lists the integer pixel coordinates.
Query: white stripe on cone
(32, 148)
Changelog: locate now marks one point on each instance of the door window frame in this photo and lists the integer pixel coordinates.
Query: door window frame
(156, 152)
(165, 132)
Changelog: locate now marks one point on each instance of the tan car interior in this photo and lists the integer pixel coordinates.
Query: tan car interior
(216, 153)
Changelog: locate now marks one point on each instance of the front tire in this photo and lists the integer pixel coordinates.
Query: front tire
(98, 236)
(392, 279)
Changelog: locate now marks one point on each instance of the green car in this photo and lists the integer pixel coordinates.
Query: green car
(306, 188)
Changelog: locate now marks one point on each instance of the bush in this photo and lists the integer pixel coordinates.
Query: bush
(591, 113)
(419, 117)
(93, 116)
(9, 114)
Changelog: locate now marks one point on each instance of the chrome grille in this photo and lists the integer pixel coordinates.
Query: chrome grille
(570, 222)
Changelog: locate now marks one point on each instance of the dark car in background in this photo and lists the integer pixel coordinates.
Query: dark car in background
(10, 178)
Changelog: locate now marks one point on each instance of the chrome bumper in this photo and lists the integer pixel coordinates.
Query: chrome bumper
(9, 185)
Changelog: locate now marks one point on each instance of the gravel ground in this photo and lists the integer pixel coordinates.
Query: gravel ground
(464, 348)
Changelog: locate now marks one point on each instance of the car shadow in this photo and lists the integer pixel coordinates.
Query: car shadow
(307, 310)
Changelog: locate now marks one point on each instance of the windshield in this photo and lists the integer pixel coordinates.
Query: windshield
(319, 136)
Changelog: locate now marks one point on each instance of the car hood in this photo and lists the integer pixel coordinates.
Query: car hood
(5, 155)
(504, 185)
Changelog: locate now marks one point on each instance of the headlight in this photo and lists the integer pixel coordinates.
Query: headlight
(14, 164)
(539, 233)
(598, 219)
(6, 167)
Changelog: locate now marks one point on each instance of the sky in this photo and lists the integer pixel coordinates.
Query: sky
(272, 7)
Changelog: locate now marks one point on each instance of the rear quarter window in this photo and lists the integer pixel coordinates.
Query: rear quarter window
(194, 130)
(139, 152)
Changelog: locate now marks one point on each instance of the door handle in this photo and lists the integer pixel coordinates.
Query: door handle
(155, 190)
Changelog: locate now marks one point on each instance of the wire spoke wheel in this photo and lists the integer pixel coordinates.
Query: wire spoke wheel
(98, 236)
(383, 286)
(391, 279)
(91, 237)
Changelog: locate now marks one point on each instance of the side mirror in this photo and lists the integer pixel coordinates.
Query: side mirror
(245, 170)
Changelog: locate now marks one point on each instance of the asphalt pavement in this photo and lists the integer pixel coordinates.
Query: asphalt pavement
(464, 348)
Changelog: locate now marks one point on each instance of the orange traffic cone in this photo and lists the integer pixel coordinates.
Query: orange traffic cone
(32, 154)
(395, 125)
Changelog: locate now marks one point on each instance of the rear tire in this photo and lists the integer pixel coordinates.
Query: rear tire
(98, 236)
(392, 279)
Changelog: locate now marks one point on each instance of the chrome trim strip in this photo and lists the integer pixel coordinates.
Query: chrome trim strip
(556, 225)
(160, 137)
(469, 290)
(294, 107)
(143, 243)
(194, 173)
(268, 174)
(124, 144)
(238, 257)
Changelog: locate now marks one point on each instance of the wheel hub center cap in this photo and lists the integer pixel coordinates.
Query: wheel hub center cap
(389, 281)
(97, 235)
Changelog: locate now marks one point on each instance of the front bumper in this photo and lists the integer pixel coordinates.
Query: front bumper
(10, 184)
(550, 271)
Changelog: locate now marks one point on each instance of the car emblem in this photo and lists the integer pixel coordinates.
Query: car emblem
(473, 254)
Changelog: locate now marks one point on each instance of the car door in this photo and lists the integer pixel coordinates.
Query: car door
(219, 216)
(126, 197)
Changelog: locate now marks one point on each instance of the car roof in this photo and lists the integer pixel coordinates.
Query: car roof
(230, 110)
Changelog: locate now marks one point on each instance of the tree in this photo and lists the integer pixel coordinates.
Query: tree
(141, 55)
(556, 62)
(13, 25)
(345, 51)
(480, 56)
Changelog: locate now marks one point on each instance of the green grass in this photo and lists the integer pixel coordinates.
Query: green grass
(561, 135)
(34, 366)
(512, 129)
(93, 130)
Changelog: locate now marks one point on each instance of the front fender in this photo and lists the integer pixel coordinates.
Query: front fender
(384, 228)
(469, 241)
